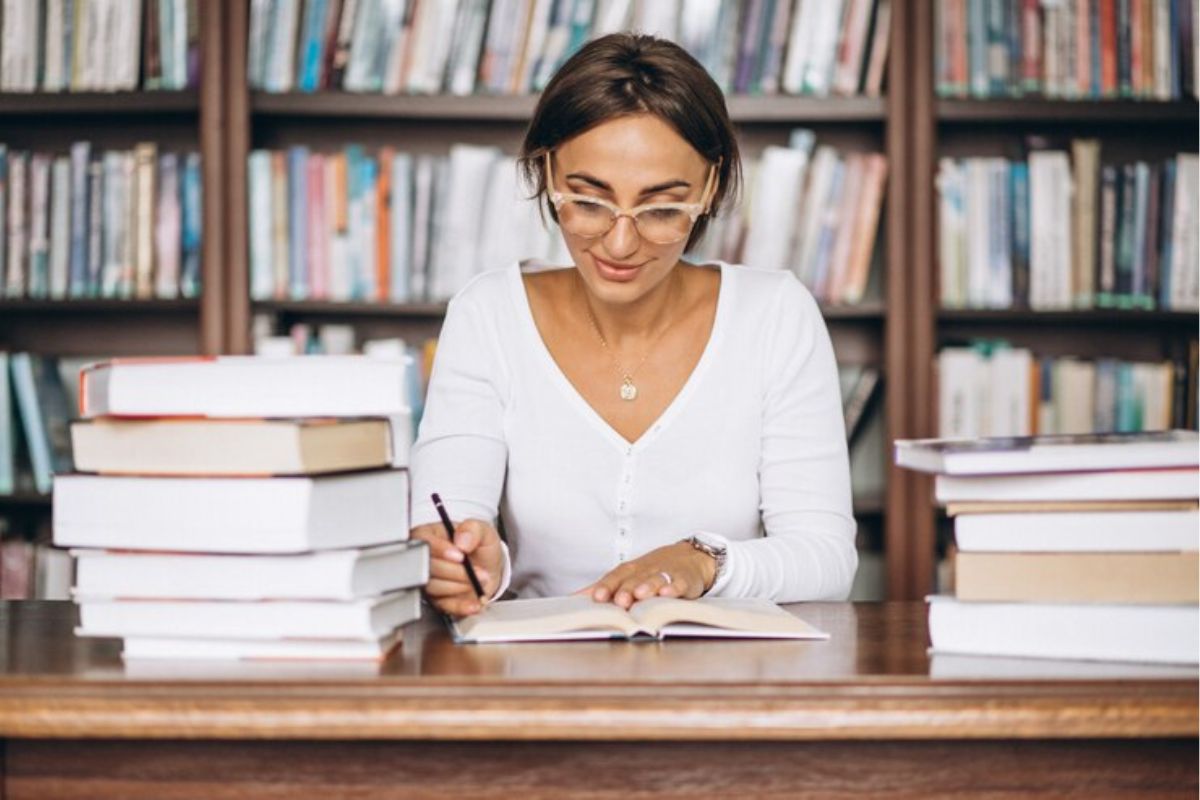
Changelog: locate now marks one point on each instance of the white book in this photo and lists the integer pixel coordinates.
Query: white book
(957, 666)
(1060, 453)
(167, 227)
(53, 78)
(53, 569)
(18, 228)
(400, 241)
(158, 648)
(1050, 193)
(256, 58)
(1078, 531)
(8, 430)
(280, 70)
(331, 575)
(824, 166)
(659, 18)
(128, 58)
(39, 225)
(980, 220)
(611, 16)
(368, 618)
(464, 63)
(1147, 484)
(1010, 394)
(231, 515)
(369, 27)
(961, 375)
(1185, 234)
(800, 45)
(535, 42)
(244, 386)
(773, 207)
(952, 233)
(114, 217)
(818, 68)
(456, 255)
(60, 227)
(1153, 634)
(18, 45)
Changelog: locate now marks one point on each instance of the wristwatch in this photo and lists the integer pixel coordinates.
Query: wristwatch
(711, 546)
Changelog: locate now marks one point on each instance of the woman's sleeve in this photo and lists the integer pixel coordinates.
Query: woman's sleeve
(808, 552)
(460, 451)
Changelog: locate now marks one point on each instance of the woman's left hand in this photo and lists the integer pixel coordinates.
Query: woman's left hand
(677, 570)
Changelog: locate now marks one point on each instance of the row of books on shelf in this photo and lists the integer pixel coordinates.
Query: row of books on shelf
(242, 507)
(1068, 547)
(1066, 49)
(992, 389)
(399, 227)
(462, 47)
(99, 45)
(1061, 230)
(112, 224)
(811, 209)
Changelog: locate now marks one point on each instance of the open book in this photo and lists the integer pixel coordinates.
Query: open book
(580, 617)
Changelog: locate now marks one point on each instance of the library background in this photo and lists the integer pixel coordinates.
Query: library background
(994, 202)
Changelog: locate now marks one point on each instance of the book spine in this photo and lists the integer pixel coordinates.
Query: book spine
(18, 254)
(146, 159)
(193, 220)
(297, 167)
(95, 241)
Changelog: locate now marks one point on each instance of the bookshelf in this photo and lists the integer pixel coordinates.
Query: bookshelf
(899, 332)
(938, 127)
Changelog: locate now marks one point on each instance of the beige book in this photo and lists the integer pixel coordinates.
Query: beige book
(579, 617)
(1142, 578)
(185, 446)
(1053, 506)
(146, 200)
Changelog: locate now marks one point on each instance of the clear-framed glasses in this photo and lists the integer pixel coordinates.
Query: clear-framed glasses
(658, 223)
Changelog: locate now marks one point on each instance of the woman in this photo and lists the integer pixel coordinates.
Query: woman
(643, 426)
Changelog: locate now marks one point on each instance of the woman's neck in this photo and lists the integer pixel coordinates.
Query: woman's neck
(644, 319)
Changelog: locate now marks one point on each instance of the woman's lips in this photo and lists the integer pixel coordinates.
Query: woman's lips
(622, 273)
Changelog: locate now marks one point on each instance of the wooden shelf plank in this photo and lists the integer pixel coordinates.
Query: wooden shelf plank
(24, 499)
(107, 103)
(519, 108)
(1103, 112)
(1071, 318)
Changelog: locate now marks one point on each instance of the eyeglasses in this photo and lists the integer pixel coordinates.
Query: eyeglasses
(658, 223)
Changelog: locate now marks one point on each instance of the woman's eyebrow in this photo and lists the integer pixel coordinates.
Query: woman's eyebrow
(655, 189)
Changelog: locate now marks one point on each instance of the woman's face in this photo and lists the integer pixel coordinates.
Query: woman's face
(629, 161)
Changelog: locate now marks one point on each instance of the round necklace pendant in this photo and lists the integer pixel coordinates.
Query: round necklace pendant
(628, 390)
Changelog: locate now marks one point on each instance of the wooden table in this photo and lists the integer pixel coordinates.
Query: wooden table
(866, 713)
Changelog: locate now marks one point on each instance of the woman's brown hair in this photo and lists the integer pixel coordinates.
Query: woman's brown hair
(622, 74)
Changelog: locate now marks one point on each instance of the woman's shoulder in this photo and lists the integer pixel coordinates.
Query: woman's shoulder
(486, 288)
(763, 291)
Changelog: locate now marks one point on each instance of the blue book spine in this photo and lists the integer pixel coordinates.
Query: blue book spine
(1019, 189)
(312, 45)
(1124, 49)
(1141, 183)
(166, 40)
(997, 48)
(748, 46)
(297, 159)
(8, 439)
(31, 421)
(977, 47)
(1125, 237)
(999, 239)
(191, 199)
(1094, 46)
(1127, 411)
(1166, 227)
(80, 157)
(369, 185)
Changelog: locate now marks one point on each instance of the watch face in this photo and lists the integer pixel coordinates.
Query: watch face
(715, 545)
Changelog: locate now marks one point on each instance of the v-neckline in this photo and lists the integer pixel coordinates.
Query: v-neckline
(573, 395)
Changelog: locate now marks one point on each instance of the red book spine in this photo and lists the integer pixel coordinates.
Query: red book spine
(1109, 86)
(1031, 45)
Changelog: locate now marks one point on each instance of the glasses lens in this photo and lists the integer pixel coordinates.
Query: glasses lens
(585, 218)
(663, 225)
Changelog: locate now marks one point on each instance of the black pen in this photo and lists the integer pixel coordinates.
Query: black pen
(441, 509)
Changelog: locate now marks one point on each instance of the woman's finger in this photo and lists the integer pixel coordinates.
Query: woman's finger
(441, 548)
(452, 571)
(443, 587)
(459, 606)
(648, 587)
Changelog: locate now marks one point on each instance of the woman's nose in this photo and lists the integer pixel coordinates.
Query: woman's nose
(622, 240)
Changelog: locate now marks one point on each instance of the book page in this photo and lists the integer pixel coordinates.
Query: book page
(723, 616)
(544, 618)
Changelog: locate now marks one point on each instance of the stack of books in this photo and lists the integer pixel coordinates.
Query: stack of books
(241, 507)
(1069, 547)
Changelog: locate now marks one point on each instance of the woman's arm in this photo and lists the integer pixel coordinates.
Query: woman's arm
(460, 451)
(808, 552)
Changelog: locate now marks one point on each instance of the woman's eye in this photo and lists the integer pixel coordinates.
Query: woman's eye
(662, 214)
(587, 207)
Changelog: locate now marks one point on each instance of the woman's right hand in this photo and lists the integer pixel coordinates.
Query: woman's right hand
(449, 588)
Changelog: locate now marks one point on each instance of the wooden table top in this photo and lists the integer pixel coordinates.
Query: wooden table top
(872, 680)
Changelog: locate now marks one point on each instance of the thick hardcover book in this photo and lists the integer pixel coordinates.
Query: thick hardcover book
(580, 617)
(231, 515)
(1145, 578)
(1058, 453)
(1134, 484)
(331, 575)
(186, 446)
(368, 618)
(1158, 634)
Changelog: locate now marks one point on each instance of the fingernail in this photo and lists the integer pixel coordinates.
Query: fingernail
(455, 555)
(473, 608)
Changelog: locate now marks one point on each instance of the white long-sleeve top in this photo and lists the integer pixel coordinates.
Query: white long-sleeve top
(752, 450)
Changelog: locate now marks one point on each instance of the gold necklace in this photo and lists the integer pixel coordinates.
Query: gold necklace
(628, 390)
